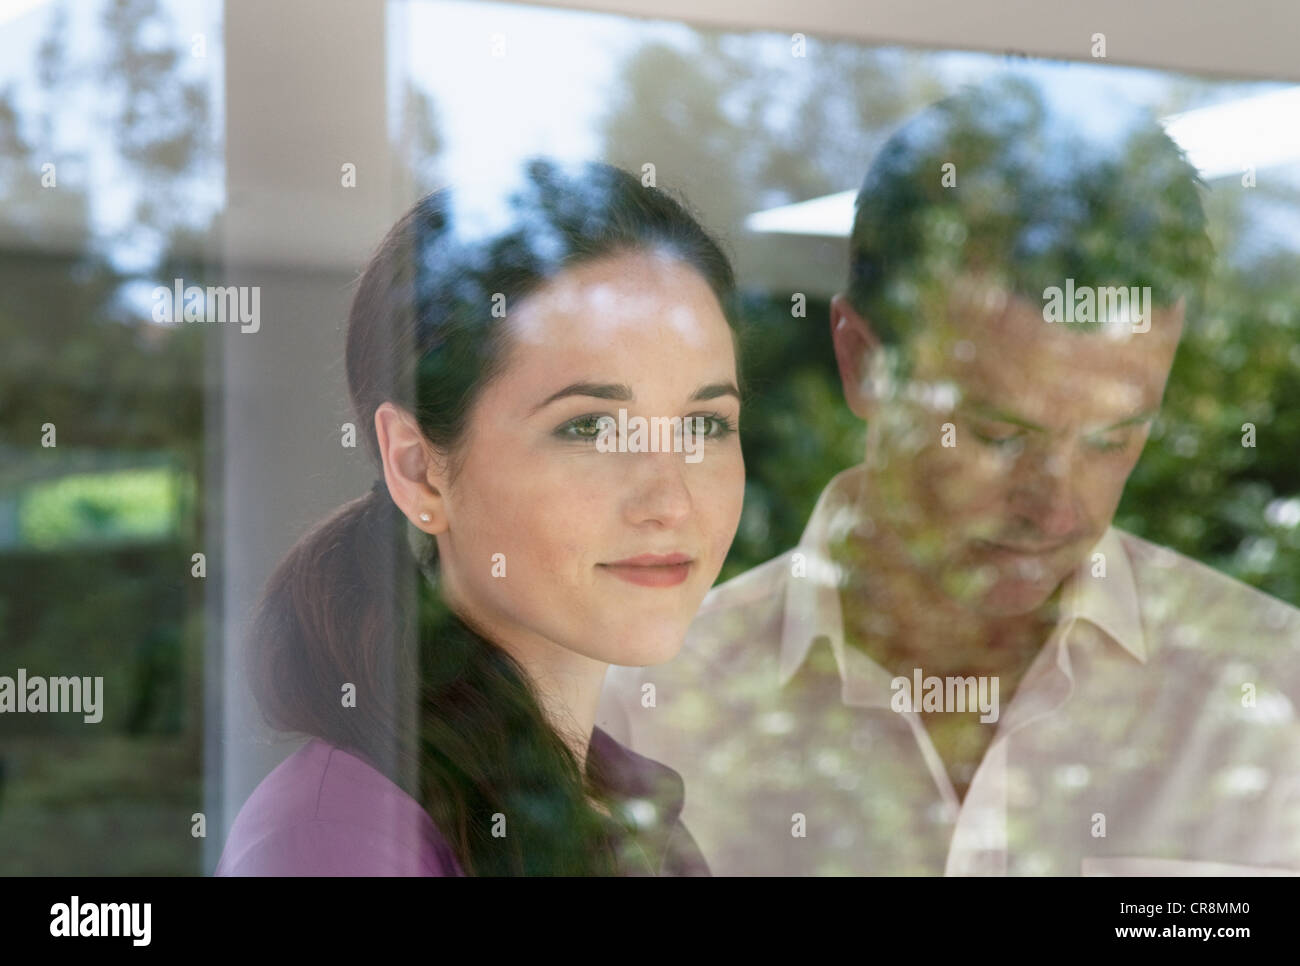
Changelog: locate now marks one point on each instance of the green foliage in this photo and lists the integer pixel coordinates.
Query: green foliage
(1197, 488)
(115, 506)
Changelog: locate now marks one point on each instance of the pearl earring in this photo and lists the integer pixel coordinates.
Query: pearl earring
(424, 517)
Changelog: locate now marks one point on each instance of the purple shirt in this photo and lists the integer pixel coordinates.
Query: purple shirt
(326, 812)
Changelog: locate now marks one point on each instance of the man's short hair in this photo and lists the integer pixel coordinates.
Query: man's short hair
(992, 180)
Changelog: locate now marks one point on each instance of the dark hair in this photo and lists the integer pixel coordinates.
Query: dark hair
(1033, 202)
(440, 708)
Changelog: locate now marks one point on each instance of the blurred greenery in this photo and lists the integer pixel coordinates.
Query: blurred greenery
(94, 574)
(119, 506)
(711, 106)
(96, 532)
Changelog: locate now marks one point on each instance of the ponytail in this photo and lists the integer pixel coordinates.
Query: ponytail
(458, 727)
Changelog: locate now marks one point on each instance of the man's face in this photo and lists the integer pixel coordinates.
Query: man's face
(1000, 462)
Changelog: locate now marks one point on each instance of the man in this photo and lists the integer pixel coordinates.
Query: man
(964, 668)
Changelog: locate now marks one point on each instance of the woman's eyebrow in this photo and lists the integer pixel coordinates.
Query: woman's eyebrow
(623, 393)
(600, 390)
(715, 389)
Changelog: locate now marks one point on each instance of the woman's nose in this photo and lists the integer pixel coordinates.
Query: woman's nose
(658, 490)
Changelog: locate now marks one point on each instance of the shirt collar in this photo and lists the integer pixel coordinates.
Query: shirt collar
(812, 600)
(1101, 590)
(631, 776)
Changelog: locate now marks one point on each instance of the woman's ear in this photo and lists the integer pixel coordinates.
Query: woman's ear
(414, 473)
(856, 346)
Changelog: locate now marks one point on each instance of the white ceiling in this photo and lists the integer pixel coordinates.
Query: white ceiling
(1246, 38)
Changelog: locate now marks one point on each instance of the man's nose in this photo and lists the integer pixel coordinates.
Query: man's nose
(1048, 497)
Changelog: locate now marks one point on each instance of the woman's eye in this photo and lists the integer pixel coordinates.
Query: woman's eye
(716, 425)
(586, 427)
(591, 427)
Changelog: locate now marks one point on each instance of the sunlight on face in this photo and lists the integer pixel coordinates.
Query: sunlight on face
(1046, 426)
(637, 331)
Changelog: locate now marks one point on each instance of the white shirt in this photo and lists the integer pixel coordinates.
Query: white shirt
(1155, 733)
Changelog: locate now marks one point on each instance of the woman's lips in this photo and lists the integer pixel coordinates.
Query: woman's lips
(652, 570)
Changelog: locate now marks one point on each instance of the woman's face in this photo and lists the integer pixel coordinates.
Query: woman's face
(560, 530)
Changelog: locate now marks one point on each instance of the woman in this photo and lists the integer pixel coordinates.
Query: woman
(445, 637)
